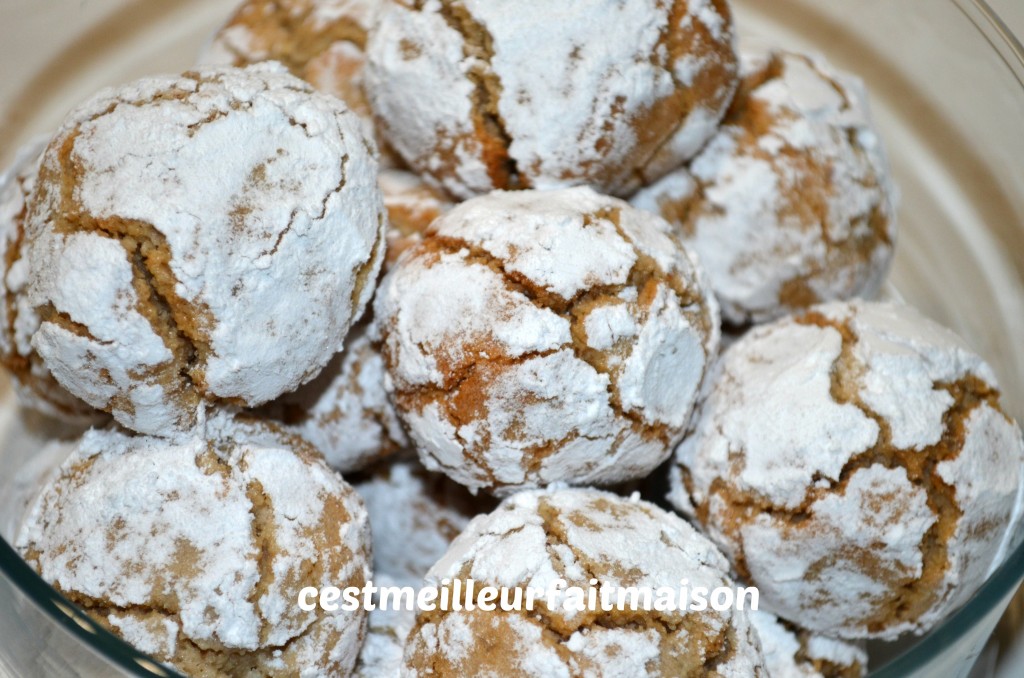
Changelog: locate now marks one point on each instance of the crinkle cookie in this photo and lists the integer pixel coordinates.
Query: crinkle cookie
(195, 551)
(208, 237)
(321, 41)
(482, 95)
(539, 337)
(412, 206)
(35, 386)
(345, 411)
(855, 464)
(535, 538)
(790, 203)
(414, 516)
(791, 652)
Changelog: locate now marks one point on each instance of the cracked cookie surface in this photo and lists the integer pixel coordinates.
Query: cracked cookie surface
(854, 463)
(208, 237)
(35, 386)
(194, 552)
(537, 337)
(534, 538)
(481, 95)
(790, 203)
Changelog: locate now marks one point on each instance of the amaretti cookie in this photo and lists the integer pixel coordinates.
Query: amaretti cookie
(207, 237)
(35, 386)
(855, 464)
(586, 538)
(791, 652)
(790, 203)
(414, 516)
(195, 551)
(538, 337)
(345, 412)
(484, 95)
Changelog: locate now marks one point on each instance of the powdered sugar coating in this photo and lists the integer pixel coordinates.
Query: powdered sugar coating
(792, 653)
(808, 468)
(35, 386)
(345, 412)
(791, 202)
(485, 333)
(414, 516)
(195, 551)
(485, 95)
(534, 538)
(224, 224)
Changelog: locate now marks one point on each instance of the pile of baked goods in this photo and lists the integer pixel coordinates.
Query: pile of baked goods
(482, 258)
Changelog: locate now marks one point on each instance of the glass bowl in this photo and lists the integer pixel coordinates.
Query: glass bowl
(946, 79)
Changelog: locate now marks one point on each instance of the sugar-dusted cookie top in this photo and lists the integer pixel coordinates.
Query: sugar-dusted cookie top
(791, 202)
(483, 95)
(587, 538)
(207, 237)
(195, 551)
(538, 337)
(855, 464)
(792, 652)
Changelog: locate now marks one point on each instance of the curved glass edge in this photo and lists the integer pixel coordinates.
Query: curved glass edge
(997, 33)
(72, 619)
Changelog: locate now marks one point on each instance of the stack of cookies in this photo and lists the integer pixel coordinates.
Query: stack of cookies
(504, 268)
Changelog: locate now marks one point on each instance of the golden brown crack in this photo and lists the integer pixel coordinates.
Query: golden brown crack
(494, 138)
(209, 657)
(673, 112)
(689, 646)
(462, 394)
(909, 595)
(183, 325)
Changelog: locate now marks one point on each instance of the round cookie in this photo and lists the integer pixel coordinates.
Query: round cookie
(207, 237)
(855, 464)
(345, 412)
(540, 337)
(321, 41)
(790, 203)
(414, 516)
(195, 551)
(607, 93)
(412, 206)
(535, 538)
(791, 652)
(35, 386)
